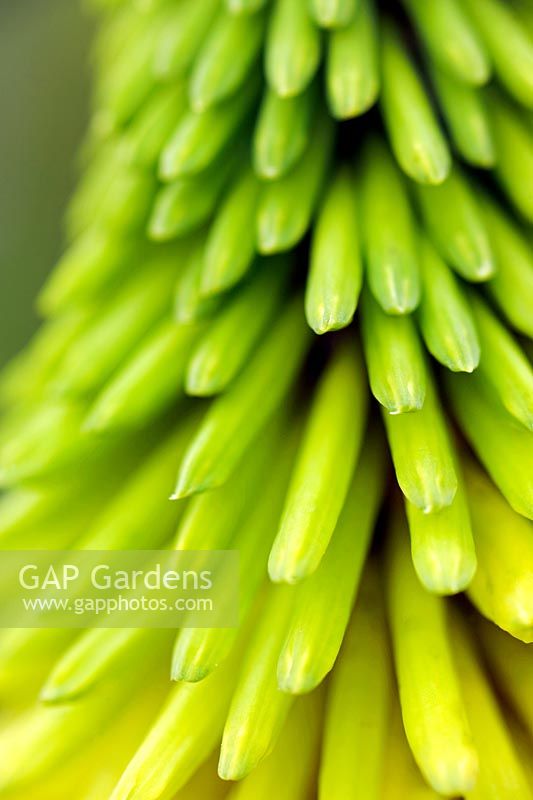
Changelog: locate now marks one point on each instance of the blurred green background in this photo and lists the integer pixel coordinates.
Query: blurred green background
(44, 48)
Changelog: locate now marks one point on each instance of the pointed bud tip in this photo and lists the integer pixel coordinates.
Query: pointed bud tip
(268, 240)
(201, 380)
(436, 173)
(436, 498)
(200, 389)
(213, 285)
(266, 170)
(444, 573)
(460, 779)
(350, 98)
(296, 676)
(187, 673)
(285, 85)
(186, 487)
(157, 231)
(321, 321)
(326, 19)
(405, 407)
(281, 570)
(232, 766)
(485, 160)
(398, 298)
(484, 271)
(166, 171)
(51, 694)
(462, 353)
(200, 100)
(464, 363)
(527, 421)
